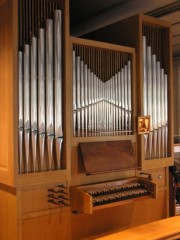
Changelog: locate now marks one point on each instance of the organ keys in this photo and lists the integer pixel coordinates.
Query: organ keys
(89, 198)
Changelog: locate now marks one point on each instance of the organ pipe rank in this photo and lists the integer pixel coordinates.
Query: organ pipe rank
(102, 90)
(40, 94)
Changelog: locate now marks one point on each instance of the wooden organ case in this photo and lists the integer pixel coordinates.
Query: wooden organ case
(42, 155)
(34, 152)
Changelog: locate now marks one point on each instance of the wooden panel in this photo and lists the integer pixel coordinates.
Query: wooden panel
(49, 177)
(36, 198)
(8, 91)
(122, 217)
(108, 156)
(79, 177)
(176, 50)
(164, 229)
(8, 214)
(54, 226)
(176, 40)
(158, 176)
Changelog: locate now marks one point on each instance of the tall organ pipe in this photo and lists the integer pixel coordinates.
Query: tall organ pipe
(20, 124)
(149, 97)
(34, 123)
(166, 113)
(58, 85)
(154, 117)
(41, 94)
(49, 90)
(27, 103)
(129, 97)
(74, 92)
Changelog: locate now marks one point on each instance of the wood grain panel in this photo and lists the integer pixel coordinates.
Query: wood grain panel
(108, 156)
(8, 214)
(8, 94)
(166, 229)
(51, 227)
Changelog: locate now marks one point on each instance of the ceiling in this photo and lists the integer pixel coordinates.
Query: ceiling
(86, 16)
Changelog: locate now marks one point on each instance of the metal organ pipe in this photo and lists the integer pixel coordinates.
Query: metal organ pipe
(166, 113)
(82, 94)
(145, 85)
(49, 90)
(41, 95)
(20, 123)
(27, 104)
(149, 96)
(122, 98)
(86, 98)
(58, 85)
(129, 97)
(74, 92)
(154, 117)
(78, 94)
(159, 108)
(34, 123)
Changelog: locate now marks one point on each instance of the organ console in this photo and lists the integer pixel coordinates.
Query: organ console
(89, 198)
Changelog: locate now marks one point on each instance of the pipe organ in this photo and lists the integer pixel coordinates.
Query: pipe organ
(40, 86)
(70, 108)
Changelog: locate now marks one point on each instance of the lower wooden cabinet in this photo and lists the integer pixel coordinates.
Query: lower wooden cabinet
(53, 226)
